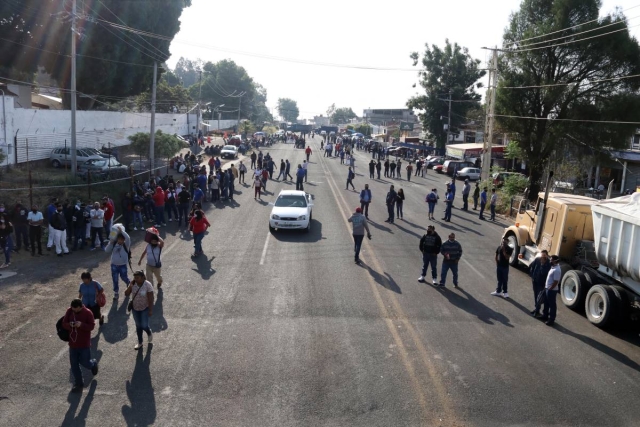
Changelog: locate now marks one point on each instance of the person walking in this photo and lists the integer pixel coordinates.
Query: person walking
(283, 170)
(242, 169)
(372, 169)
(359, 226)
(308, 152)
(386, 168)
(503, 254)
(79, 321)
(257, 186)
(365, 200)
(466, 189)
(109, 213)
(184, 199)
(153, 252)
(409, 171)
(483, 202)
(253, 160)
(430, 245)
(399, 203)
(432, 200)
(142, 305)
(305, 166)
(287, 170)
(6, 242)
(20, 225)
(51, 209)
(390, 201)
(79, 226)
(299, 178)
(452, 252)
(551, 291)
(378, 168)
(476, 195)
(198, 225)
(350, 176)
(170, 203)
(448, 200)
(120, 256)
(492, 204)
(399, 169)
(35, 220)
(392, 167)
(538, 270)
(88, 292)
(59, 225)
(158, 201)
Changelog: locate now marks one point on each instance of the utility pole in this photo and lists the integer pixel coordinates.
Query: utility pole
(239, 108)
(489, 123)
(74, 159)
(199, 106)
(449, 121)
(152, 137)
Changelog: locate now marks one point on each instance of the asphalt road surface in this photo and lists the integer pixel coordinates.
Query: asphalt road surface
(284, 329)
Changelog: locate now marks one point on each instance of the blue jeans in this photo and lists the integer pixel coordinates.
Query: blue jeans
(8, 247)
(183, 212)
(172, 211)
(432, 207)
(502, 272)
(390, 211)
(482, 206)
(447, 212)
(159, 213)
(550, 306)
(493, 212)
(430, 259)
(119, 271)
(77, 357)
(137, 218)
(446, 266)
(357, 239)
(399, 210)
(142, 322)
(197, 242)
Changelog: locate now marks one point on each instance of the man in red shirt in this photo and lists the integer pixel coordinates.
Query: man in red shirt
(308, 152)
(79, 321)
(109, 212)
(158, 200)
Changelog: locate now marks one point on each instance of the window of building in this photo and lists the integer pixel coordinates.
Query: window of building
(635, 142)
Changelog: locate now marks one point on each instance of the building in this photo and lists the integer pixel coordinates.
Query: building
(382, 116)
(625, 168)
(321, 120)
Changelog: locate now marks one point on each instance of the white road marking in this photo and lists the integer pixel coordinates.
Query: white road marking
(264, 250)
(473, 268)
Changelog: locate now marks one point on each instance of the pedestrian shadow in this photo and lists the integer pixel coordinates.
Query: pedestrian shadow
(70, 418)
(158, 322)
(413, 225)
(519, 306)
(262, 202)
(116, 328)
(397, 224)
(380, 227)
(605, 349)
(385, 280)
(450, 226)
(142, 408)
(203, 266)
(474, 307)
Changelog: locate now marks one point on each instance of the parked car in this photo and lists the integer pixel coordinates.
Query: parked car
(472, 174)
(229, 152)
(434, 161)
(451, 166)
(437, 168)
(235, 140)
(102, 169)
(500, 177)
(62, 156)
(292, 209)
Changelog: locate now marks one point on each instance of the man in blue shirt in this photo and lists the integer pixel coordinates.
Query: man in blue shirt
(448, 200)
(299, 178)
(198, 195)
(452, 189)
(483, 202)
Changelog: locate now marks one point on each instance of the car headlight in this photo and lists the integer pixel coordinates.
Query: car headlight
(302, 217)
(275, 217)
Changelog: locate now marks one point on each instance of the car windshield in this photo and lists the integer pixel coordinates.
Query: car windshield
(97, 163)
(91, 151)
(229, 147)
(291, 201)
(113, 162)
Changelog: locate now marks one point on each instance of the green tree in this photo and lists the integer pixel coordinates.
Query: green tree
(288, 109)
(167, 97)
(188, 71)
(331, 110)
(165, 145)
(342, 115)
(123, 67)
(448, 70)
(590, 68)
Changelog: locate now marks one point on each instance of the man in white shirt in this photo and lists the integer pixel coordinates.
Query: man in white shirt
(305, 166)
(97, 224)
(551, 288)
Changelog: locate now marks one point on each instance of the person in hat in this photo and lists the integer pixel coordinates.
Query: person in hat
(142, 301)
(551, 291)
(359, 226)
(503, 255)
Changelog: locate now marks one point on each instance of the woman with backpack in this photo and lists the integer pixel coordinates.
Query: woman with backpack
(92, 295)
(432, 199)
(399, 203)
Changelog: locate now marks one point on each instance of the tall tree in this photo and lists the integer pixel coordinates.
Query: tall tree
(167, 97)
(450, 70)
(288, 109)
(590, 68)
(188, 70)
(110, 61)
(342, 115)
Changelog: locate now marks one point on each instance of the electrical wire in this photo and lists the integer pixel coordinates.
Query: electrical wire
(152, 56)
(568, 120)
(572, 83)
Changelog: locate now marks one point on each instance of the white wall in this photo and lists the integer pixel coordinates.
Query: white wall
(48, 129)
(213, 124)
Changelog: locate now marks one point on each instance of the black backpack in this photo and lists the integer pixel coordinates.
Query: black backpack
(63, 334)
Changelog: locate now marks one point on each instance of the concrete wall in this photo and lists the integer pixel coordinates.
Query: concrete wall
(213, 124)
(44, 130)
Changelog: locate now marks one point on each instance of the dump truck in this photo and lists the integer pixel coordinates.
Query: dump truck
(598, 243)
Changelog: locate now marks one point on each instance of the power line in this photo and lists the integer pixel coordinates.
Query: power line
(566, 29)
(568, 120)
(572, 83)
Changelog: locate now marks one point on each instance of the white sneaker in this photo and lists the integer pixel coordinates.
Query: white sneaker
(135, 228)
(170, 219)
(115, 295)
(137, 346)
(505, 295)
(435, 281)
(496, 294)
(157, 225)
(421, 279)
(150, 337)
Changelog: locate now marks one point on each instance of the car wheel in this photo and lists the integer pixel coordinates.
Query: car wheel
(514, 260)
(271, 229)
(56, 163)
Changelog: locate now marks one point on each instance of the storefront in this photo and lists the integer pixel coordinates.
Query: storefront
(473, 151)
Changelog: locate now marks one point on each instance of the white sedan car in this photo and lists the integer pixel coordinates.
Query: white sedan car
(229, 152)
(291, 210)
(472, 174)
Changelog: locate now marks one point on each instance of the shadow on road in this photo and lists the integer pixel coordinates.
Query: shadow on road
(142, 411)
(380, 227)
(70, 418)
(413, 225)
(116, 328)
(474, 307)
(406, 230)
(157, 322)
(203, 266)
(300, 236)
(384, 280)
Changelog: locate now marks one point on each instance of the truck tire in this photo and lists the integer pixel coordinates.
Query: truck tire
(574, 289)
(513, 242)
(622, 303)
(600, 305)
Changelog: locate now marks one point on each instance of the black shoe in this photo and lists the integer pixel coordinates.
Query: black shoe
(442, 285)
(94, 369)
(77, 388)
(542, 318)
(549, 323)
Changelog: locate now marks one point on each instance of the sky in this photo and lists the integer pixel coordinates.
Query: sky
(352, 33)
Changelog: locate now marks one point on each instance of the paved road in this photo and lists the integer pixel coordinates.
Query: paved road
(284, 329)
